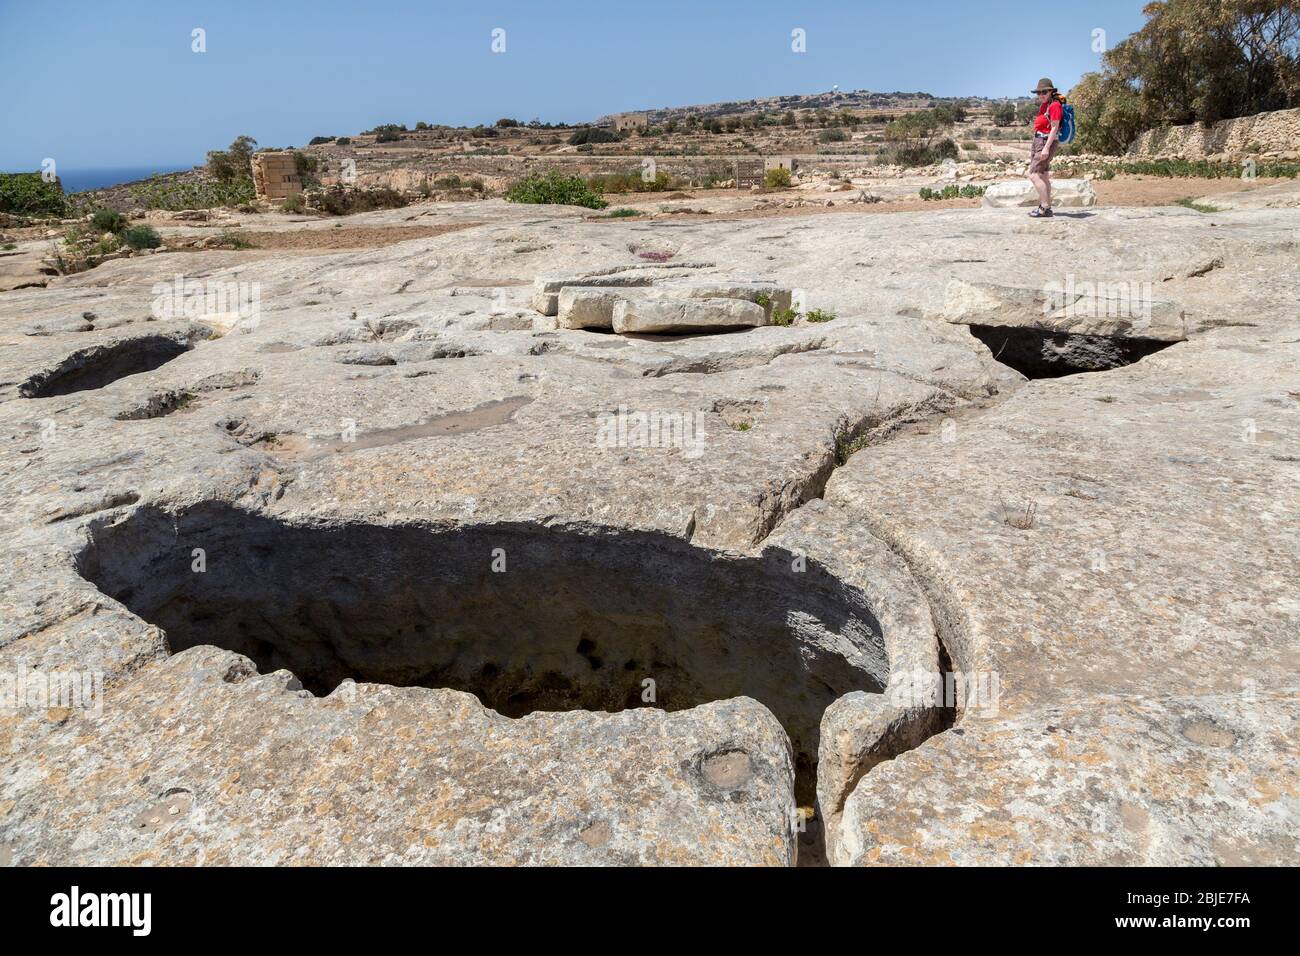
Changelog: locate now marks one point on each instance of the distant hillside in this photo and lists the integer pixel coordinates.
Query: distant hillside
(837, 100)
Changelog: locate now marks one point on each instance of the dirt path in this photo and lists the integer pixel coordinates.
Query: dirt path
(1162, 191)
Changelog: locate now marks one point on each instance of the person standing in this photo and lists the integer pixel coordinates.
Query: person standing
(1047, 126)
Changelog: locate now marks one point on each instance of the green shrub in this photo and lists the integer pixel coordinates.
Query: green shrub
(593, 134)
(832, 136)
(631, 182)
(455, 182)
(318, 140)
(233, 240)
(343, 141)
(778, 178)
(817, 315)
(623, 213)
(952, 191)
(142, 237)
(342, 201)
(27, 194)
(106, 220)
(555, 188)
(305, 166)
(784, 316)
(294, 203)
(387, 136)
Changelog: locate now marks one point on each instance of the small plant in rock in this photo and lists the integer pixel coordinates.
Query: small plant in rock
(1190, 203)
(142, 237)
(847, 445)
(784, 317)
(8, 246)
(817, 315)
(1022, 518)
(763, 299)
(623, 213)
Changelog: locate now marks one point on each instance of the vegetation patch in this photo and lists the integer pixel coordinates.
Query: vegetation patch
(554, 188)
(1190, 203)
(778, 178)
(142, 237)
(952, 192)
(27, 194)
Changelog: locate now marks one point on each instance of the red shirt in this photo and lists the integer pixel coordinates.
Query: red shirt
(1048, 113)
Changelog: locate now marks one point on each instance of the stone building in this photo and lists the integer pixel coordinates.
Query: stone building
(628, 121)
(275, 176)
(779, 162)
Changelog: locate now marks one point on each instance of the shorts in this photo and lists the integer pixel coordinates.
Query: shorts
(1038, 163)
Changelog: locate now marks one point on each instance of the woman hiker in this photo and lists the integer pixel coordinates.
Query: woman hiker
(1047, 124)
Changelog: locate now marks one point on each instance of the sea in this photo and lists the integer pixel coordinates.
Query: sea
(79, 180)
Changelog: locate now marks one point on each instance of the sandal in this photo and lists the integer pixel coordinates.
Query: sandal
(1042, 212)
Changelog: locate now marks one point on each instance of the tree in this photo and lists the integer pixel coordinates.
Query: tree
(913, 138)
(1195, 61)
(234, 162)
(1004, 114)
(1109, 114)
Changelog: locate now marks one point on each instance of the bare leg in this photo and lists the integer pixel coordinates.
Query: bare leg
(1044, 188)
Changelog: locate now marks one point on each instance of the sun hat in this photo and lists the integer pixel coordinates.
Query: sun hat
(1044, 85)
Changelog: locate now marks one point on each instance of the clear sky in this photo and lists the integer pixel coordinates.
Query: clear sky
(116, 83)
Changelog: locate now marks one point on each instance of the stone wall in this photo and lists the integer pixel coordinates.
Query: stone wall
(275, 175)
(1263, 133)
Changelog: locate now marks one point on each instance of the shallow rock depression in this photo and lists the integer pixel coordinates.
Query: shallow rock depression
(525, 617)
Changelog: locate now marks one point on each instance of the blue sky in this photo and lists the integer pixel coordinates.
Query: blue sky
(115, 83)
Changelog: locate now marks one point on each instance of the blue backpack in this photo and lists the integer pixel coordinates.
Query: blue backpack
(1066, 133)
